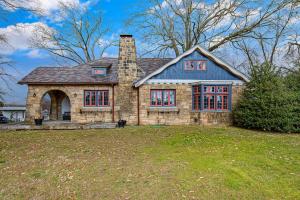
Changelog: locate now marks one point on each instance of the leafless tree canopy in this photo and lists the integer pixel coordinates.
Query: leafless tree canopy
(29, 5)
(5, 63)
(178, 25)
(272, 44)
(294, 47)
(80, 39)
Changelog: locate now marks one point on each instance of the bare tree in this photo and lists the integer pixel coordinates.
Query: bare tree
(5, 76)
(294, 47)
(80, 39)
(178, 25)
(5, 63)
(28, 5)
(270, 44)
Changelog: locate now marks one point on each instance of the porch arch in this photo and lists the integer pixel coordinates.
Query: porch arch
(58, 107)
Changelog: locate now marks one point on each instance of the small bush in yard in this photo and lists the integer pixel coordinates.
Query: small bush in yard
(267, 103)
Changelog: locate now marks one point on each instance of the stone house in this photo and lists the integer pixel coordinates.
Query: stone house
(195, 88)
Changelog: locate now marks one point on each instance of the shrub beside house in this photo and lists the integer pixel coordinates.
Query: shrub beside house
(269, 102)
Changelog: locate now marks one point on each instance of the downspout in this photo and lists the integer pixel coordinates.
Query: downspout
(138, 105)
(113, 103)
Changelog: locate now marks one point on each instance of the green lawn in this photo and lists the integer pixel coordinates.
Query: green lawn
(177, 162)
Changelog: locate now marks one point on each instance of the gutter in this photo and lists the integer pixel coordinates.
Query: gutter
(138, 105)
(66, 83)
(113, 103)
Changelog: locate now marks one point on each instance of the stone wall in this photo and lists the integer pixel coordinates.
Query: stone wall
(75, 93)
(167, 116)
(126, 103)
(182, 113)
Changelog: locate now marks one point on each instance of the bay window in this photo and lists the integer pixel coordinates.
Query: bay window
(162, 98)
(211, 97)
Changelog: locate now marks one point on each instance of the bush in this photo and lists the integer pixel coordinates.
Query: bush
(267, 103)
(292, 82)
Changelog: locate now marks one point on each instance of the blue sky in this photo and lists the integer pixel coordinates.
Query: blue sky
(25, 59)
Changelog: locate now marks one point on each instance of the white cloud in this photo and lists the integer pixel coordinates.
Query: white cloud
(215, 40)
(295, 20)
(19, 37)
(109, 55)
(48, 8)
(35, 53)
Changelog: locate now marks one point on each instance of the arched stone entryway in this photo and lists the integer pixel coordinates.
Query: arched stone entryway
(55, 105)
(57, 96)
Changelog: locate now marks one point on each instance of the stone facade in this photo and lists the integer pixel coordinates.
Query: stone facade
(183, 112)
(79, 113)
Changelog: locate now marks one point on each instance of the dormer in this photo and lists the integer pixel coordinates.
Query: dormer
(101, 70)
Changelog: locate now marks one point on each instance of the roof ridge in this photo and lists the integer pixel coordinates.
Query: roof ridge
(156, 58)
(53, 67)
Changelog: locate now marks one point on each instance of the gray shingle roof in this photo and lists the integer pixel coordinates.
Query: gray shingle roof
(82, 74)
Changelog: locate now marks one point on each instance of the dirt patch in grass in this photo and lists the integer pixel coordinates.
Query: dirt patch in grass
(178, 162)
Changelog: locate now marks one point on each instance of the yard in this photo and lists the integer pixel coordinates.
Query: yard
(177, 162)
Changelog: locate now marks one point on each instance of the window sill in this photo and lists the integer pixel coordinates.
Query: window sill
(211, 111)
(163, 109)
(96, 109)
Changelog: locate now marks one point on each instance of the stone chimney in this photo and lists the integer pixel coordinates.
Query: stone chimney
(127, 68)
(128, 72)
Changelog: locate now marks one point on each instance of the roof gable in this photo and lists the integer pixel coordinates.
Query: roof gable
(228, 71)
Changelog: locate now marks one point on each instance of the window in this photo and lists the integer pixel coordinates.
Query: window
(213, 97)
(163, 98)
(96, 98)
(99, 71)
(197, 97)
(195, 65)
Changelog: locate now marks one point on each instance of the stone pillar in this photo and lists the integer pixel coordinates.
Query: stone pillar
(128, 72)
(53, 108)
(59, 98)
(32, 104)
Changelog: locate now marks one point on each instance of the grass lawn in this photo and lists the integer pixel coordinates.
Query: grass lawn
(177, 162)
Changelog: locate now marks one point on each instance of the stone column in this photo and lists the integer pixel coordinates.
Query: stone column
(59, 98)
(32, 104)
(53, 108)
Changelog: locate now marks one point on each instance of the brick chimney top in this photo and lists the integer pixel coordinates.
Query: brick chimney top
(126, 35)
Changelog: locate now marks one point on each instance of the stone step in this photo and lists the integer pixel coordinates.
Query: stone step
(58, 126)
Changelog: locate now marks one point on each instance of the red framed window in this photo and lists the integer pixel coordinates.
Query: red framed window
(195, 65)
(162, 98)
(197, 97)
(96, 98)
(99, 71)
(212, 98)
